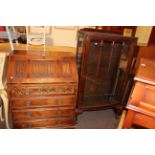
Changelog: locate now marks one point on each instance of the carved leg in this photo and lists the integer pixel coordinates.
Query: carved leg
(129, 119)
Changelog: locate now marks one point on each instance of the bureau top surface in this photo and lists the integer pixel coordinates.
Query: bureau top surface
(41, 54)
(41, 67)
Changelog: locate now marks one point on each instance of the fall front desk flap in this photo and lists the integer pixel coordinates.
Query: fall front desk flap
(40, 67)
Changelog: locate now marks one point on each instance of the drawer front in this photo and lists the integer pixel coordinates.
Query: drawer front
(144, 121)
(36, 91)
(47, 123)
(42, 113)
(69, 100)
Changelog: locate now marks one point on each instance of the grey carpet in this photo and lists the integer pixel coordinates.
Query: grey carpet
(102, 119)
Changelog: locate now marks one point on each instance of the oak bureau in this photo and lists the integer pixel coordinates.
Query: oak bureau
(42, 89)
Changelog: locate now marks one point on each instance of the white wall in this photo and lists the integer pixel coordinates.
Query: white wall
(67, 36)
(64, 36)
(143, 34)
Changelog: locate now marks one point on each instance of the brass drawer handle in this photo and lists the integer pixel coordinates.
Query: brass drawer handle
(29, 114)
(30, 126)
(59, 89)
(58, 122)
(27, 92)
(28, 103)
(59, 102)
(59, 112)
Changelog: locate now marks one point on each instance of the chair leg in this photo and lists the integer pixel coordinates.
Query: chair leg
(9, 37)
(14, 30)
(120, 125)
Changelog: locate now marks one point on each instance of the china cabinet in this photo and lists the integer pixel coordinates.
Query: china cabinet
(106, 66)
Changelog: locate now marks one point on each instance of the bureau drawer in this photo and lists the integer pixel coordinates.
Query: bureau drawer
(68, 100)
(42, 113)
(47, 123)
(45, 90)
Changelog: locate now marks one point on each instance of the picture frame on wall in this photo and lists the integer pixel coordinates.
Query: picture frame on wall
(127, 32)
(66, 27)
(39, 29)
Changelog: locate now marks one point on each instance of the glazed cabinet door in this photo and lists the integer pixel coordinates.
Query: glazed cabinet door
(104, 71)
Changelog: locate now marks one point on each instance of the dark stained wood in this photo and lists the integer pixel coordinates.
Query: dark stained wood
(152, 37)
(141, 105)
(42, 89)
(113, 29)
(106, 69)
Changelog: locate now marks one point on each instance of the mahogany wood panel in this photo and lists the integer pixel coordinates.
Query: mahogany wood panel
(141, 105)
(145, 52)
(145, 72)
(114, 29)
(144, 121)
